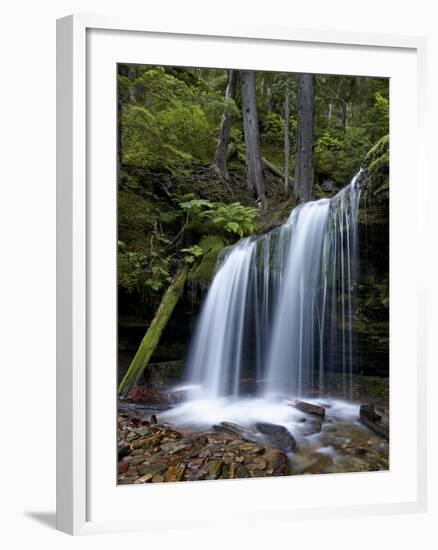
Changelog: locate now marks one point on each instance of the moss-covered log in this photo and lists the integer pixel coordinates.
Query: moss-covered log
(153, 334)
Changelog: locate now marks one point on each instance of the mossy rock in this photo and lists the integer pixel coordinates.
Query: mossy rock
(203, 272)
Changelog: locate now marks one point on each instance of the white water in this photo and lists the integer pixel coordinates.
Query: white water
(279, 313)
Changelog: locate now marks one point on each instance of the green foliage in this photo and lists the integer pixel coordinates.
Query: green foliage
(231, 218)
(339, 153)
(377, 119)
(202, 272)
(168, 122)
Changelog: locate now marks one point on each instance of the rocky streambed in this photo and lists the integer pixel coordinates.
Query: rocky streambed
(152, 449)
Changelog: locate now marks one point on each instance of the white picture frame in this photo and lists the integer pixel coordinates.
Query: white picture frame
(78, 490)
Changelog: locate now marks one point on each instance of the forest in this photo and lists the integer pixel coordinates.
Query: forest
(212, 162)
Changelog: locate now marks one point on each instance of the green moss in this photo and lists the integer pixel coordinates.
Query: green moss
(203, 272)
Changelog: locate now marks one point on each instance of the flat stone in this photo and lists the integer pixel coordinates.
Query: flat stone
(277, 461)
(241, 471)
(309, 408)
(148, 442)
(171, 448)
(158, 478)
(152, 469)
(214, 469)
(175, 472)
(122, 467)
(251, 449)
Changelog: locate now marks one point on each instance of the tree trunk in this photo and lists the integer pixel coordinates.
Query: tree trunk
(153, 334)
(286, 137)
(220, 162)
(304, 170)
(252, 138)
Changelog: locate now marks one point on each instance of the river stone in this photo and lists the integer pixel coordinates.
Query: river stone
(152, 469)
(278, 436)
(159, 478)
(172, 448)
(277, 461)
(319, 462)
(148, 442)
(251, 449)
(225, 471)
(232, 470)
(309, 408)
(311, 427)
(175, 472)
(123, 451)
(241, 471)
(214, 469)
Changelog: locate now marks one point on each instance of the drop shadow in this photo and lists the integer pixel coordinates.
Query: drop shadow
(45, 518)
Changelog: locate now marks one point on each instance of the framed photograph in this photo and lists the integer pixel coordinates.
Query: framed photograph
(239, 329)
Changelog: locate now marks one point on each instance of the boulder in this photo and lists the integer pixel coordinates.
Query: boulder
(309, 408)
(278, 436)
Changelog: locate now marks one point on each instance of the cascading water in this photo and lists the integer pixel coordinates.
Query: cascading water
(281, 306)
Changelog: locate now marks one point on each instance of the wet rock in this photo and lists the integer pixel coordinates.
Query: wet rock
(309, 408)
(241, 472)
(236, 429)
(214, 469)
(352, 464)
(152, 469)
(251, 449)
(277, 461)
(368, 411)
(256, 463)
(137, 452)
(175, 472)
(122, 451)
(172, 448)
(372, 420)
(311, 427)
(136, 460)
(148, 442)
(170, 434)
(143, 430)
(224, 471)
(318, 463)
(278, 436)
(126, 480)
(159, 478)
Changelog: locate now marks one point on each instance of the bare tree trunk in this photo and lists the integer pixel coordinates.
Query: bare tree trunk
(220, 162)
(304, 170)
(286, 137)
(252, 138)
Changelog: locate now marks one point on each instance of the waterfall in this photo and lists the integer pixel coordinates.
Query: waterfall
(279, 313)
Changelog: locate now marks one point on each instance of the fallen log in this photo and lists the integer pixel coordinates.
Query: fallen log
(276, 171)
(153, 334)
(271, 167)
